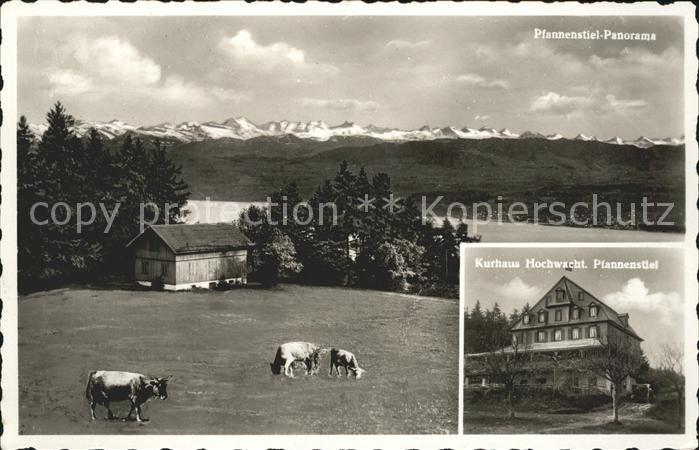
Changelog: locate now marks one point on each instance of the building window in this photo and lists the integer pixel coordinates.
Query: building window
(593, 311)
(548, 300)
(576, 313)
(559, 315)
(526, 318)
(540, 336)
(581, 296)
(144, 267)
(576, 333)
(542, 317)
(593, 332)
(558, 335)
(559, 295)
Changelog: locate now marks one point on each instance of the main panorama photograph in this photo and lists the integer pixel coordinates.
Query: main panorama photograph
(250, 225)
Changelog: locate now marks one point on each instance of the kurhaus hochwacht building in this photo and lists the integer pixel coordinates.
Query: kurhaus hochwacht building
(559, 326)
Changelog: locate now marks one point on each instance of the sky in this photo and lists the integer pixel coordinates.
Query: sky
(402, 72)
(654, 299)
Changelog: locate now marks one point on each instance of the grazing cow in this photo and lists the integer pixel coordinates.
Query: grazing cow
(106, 386)
(343, 358)
(291, 352)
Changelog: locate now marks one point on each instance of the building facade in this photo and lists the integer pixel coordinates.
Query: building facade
(557, 330)
(183, 256)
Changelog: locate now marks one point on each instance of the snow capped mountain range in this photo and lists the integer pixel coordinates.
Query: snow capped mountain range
(243, 129)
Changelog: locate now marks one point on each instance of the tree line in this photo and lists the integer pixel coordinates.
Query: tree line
(62, 167)
(487, 330)
(354, 243)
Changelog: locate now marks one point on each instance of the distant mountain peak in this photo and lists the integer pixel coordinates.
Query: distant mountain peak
(241, 128)
(531, 135)
(616, 140)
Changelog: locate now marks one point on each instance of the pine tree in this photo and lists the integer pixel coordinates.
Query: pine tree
(164, 184)
(64, 177)
(462, 232)
(363, 216)
(29, 252)
(449, 256)
(514, 317)
(60, 168)
(345, 200)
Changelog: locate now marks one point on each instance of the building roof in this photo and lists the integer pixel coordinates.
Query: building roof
(198, 238)
(576, 296)
(576, 344)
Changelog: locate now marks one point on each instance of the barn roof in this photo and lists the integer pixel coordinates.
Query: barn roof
(198, 238)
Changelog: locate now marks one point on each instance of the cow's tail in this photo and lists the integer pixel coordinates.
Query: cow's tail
(88, 387)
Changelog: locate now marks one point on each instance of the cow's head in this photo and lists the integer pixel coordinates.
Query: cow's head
(276, 368)
(358, 372)
(159, 386)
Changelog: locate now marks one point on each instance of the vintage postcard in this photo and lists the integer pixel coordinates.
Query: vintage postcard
(231, 222)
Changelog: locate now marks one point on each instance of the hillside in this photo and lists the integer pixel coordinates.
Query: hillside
(218, 346)
(461, 170)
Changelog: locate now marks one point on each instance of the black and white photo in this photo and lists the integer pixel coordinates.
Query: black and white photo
(574, 340)
(246, 222)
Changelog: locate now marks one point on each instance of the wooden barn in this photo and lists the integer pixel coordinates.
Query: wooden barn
(186, 256)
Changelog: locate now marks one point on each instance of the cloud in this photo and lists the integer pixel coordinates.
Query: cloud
(560, 104)
(635, 295)
(555, 103)
(529, 57)
(399, 44)
(253, 56)
(109, 65)
(625, 104)
(68, 82)
(242, 46)
(340, 104)
(639, 59)
(516, 288)
(482, 117)
(480, 81)
(175, 89)
(116, 60)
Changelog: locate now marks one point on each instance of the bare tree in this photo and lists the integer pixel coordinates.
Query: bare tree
(615, 360)
(503, 366)
(672, 370)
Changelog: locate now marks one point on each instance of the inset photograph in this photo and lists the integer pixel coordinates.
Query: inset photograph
(573, 340)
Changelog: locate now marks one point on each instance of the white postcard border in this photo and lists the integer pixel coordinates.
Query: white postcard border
(11, 439)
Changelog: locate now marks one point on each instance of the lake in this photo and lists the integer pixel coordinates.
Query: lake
(203, 211)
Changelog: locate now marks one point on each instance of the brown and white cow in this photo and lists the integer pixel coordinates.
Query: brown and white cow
(343, 358)
(106, 386)
(291, 352)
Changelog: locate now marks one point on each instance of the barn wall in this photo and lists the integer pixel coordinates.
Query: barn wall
(195, 268)
(158, 258)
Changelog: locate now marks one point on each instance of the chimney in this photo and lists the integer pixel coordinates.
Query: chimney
(624, 319)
